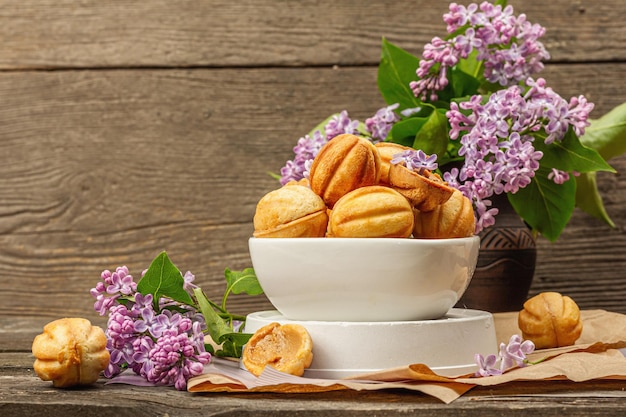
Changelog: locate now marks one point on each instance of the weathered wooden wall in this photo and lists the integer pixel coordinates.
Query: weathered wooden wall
(131, 127)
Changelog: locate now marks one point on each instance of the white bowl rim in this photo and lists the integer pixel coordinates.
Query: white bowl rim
(454, 315)
(368, 240)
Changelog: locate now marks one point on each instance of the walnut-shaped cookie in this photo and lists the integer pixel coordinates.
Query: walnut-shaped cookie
(550, 320)
(290, 211)
(70, 352)
(345, 163)
(452, 219)
(373, 211)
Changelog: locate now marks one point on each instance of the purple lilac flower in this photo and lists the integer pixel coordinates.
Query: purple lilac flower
(103, 303)
(486, 366)
(142, 345)
(579, 109)
(167, 323)
(410, 111)
(164, 347)
(557, 112)
(188, 285)
(305, 151)
(558, 176)
(121, 282)
(497, 140)
(381, 123)
(143, 302)
(415, 160)
(514, 353)
(340, 124)
(508, 46)
(510, 354)
(438, 56)
(174, 358)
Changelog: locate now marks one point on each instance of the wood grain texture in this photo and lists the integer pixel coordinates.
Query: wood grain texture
(24, 394)
(218, 33)
(107, 168)
(160, 121)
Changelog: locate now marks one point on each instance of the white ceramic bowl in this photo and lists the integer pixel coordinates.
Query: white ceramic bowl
(356, 279)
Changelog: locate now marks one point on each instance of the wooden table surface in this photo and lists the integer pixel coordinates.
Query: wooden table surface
(130, 127)
(22, 393)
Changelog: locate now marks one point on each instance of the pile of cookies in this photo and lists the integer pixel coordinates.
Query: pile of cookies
(354, 190)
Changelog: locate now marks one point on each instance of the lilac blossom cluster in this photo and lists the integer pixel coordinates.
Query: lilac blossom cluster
(415, 160)
(165, 346)
(507, 45)
(499, 155)
(511, 354)
(376, 128)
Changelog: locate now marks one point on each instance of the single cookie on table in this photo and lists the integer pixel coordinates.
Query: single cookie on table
(287, 348)
(290, 211)
(70, 352)
(345, 163)
(452, 219)
(550, 320)
(373, 211)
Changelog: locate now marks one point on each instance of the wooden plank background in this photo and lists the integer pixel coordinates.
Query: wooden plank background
(131, 127)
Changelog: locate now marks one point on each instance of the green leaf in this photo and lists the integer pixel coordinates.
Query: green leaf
(607, 135)
(216, 325)
(219, 330)
(433, 137)
(462, 83)
(395, 72)
(404, 131)
(571, 155)
(588, 197)
(164, 279)
(232, 344)
(544, 205)
(471, 66)
(242, 282)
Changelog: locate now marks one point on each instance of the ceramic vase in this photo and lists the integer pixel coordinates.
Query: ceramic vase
(506, 264)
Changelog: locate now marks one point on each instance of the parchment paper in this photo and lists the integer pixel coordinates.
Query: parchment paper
(595, 356)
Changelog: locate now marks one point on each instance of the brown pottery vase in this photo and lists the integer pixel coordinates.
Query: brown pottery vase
(506, 264)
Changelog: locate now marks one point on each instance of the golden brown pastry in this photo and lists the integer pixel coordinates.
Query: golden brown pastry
(70, 352)
(373, 211)
(303, 181)
(425, 191)
(550, 320)
(387, 151)
(290, 211)
(345, 163)
(287, 348)
(452, 219)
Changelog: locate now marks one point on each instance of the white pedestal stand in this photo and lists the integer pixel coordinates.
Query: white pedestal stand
(341, 349)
